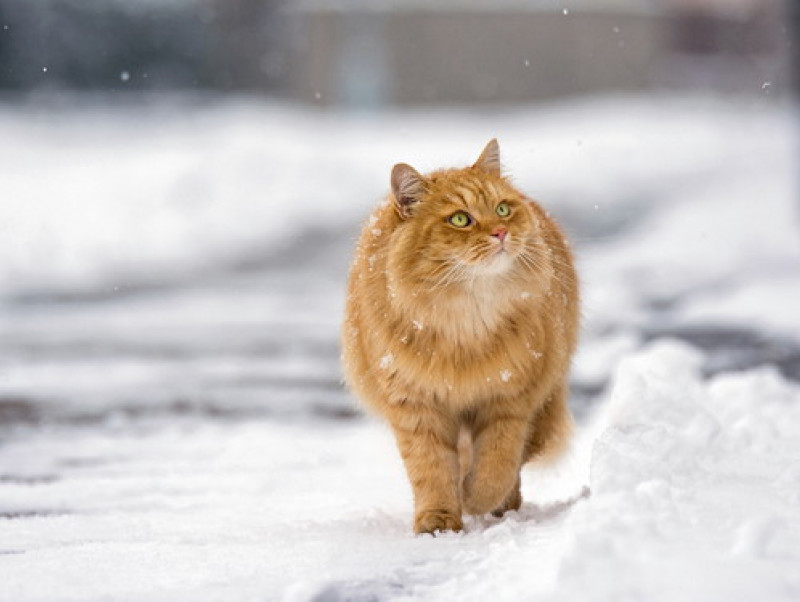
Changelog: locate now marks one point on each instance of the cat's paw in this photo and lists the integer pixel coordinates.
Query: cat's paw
(431, 521)
(475, 499)
(478, 506)
(513, 502)
(485, 496)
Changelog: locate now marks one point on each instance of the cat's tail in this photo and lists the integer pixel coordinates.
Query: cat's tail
(551, 429)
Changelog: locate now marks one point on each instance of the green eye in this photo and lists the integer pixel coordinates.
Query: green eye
(460, 219)
(503, 210)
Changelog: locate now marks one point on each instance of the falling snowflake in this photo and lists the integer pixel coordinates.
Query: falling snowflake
(505, 375)
(386, 361)
(536, 354)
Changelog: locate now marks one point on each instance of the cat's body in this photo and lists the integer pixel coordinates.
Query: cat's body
(459, 331)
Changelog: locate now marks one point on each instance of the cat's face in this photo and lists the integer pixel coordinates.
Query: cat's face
(478, 225)
(464, 224)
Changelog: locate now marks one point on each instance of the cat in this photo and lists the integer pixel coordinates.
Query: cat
(461, 319)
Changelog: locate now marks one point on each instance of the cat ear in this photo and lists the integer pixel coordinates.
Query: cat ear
(407, 188)
(489, 161)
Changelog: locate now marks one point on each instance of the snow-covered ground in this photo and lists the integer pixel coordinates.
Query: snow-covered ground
(171, 420)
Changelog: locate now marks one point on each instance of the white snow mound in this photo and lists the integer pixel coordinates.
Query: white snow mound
(695, 486)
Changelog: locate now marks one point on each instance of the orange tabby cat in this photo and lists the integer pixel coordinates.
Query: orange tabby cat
(461, 320)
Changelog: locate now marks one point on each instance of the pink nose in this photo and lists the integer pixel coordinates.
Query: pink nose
(500, 233)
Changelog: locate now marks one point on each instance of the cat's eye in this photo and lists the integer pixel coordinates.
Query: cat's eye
(460, 219)
(503, 210)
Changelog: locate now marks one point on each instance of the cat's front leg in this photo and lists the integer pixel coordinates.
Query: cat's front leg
(492, 485)
(427, 440)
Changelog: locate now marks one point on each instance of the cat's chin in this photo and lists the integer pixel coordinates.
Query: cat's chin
(496, 265)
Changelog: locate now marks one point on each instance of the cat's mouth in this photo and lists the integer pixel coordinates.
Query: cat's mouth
(501, 248)
(497, 262)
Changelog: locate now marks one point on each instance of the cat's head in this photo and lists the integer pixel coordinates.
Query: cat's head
(462, 224)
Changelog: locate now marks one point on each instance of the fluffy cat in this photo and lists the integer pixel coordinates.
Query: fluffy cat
(461, 320)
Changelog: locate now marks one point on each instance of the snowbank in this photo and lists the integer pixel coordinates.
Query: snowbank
(695, 487)
(96, 196)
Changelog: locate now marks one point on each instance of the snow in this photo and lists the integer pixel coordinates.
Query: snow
(694, 486)
(694, 490)
(171, 191)
(768, 302)
(172, 424)
(597, 358)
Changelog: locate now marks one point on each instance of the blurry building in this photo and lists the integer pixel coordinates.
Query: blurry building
(118, 45)
(730, 45)
(399, 52)
(414, 52)
(91, 45)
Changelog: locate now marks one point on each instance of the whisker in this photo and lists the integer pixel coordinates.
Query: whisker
(453, 273)
(541, 263)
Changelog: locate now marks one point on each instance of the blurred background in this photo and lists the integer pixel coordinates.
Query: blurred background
(181, 183)
(359, 54)
(181, 186)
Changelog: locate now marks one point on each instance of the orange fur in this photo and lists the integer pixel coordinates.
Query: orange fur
(464, 348)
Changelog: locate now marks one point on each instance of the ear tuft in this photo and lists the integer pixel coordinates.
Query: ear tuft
(407, 188)
(489, 161)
